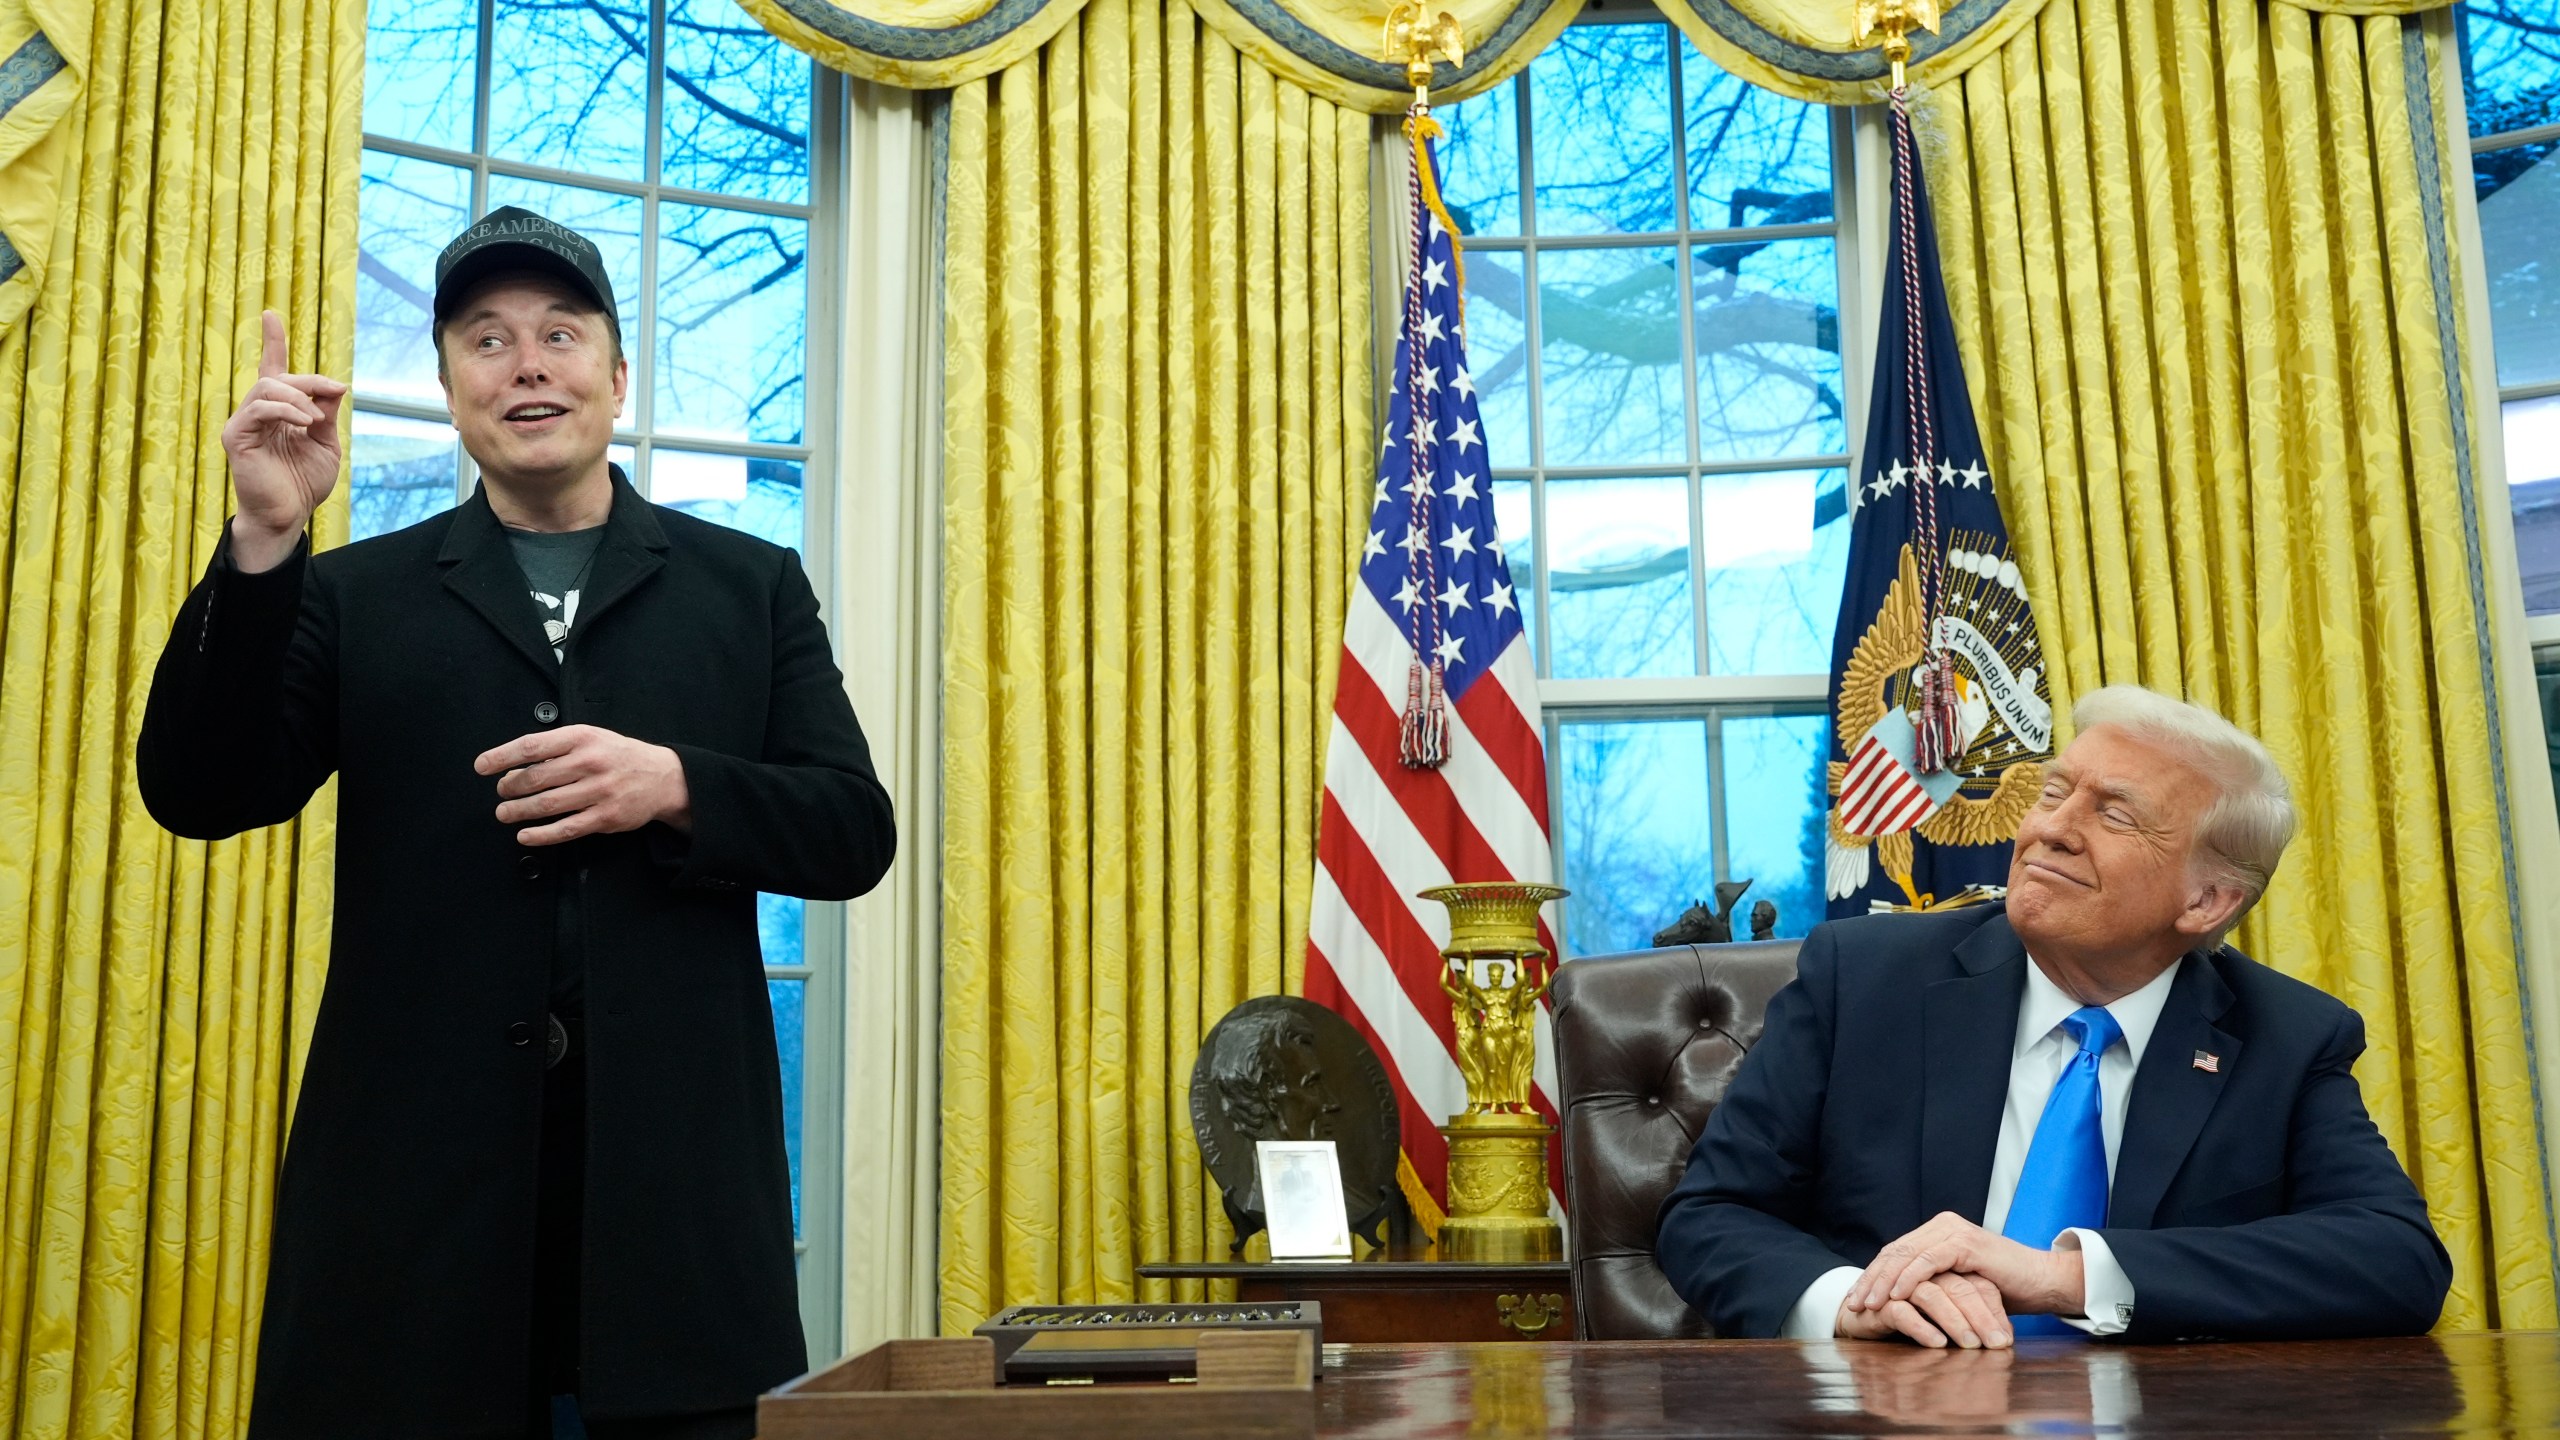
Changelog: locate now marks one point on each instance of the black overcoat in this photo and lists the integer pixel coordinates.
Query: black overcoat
(400, 1288)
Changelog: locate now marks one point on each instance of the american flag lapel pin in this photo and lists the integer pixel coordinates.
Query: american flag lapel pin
(2208, 1062)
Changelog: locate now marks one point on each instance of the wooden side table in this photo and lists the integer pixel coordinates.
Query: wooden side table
(1405, 1296)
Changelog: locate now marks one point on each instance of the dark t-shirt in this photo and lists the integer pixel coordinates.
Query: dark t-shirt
(555, 566)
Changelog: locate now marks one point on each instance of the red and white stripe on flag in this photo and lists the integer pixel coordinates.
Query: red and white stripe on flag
(1879, 795)
(1388, 833)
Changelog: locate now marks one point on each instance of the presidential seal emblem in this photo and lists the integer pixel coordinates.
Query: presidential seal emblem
(1880, 796)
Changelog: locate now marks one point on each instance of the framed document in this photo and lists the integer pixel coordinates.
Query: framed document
(1302, 1196)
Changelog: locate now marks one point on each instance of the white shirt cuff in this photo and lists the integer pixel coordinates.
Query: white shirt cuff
(2106, 1292)
(1817, 1312)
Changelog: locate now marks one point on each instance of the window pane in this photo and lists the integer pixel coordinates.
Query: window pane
(781, 925)
(1755, 157)
(1513, 519)
(1638, 845)
(407, 210)
(2518, 218)
(569, 85)
(1618, 578)
(1768, 335)
(1774, 810)
(732, 312)
(628, 457)
(1609, 357)
(759, 496)
(1498, 353)
(2510, 64)
(1600, 131)
(610, 220)
(1480, 163)
(737, 105)
(2533, 476)
(790, 1035)
(1776, 553)
(401, 472)
(421, 64)
(2546, 675)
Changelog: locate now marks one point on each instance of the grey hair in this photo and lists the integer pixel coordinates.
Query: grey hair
(2243, 833)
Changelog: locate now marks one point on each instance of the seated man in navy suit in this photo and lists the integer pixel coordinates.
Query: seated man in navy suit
(2076, 1112)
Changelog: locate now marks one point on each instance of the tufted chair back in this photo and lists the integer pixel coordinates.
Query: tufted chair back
(1645, 1044)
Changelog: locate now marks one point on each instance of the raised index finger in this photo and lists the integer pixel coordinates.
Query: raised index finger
(524, 750)
(274, 357)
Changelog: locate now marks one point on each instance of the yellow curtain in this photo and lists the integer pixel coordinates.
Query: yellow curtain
(1156, 476)
(2203, 268)
(152, 991)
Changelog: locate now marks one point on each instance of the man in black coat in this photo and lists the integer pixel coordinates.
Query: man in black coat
(539, 1149)
(1906, 1152)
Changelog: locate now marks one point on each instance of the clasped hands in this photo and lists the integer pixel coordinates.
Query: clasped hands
(586, 780)
(1953, 1282)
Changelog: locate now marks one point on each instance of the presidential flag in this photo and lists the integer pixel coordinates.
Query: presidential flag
(1434, 770)
(1940, 713)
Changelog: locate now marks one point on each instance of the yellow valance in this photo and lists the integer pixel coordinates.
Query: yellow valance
(1331, 47)
(44, 49)
(1327, 46)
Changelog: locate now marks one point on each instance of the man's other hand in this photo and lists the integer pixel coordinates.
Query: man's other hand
(2029, 1282)
(585, 781)
(284, 450)
(1949, 1309)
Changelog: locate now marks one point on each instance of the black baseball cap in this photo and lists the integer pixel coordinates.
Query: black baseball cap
(514, 238)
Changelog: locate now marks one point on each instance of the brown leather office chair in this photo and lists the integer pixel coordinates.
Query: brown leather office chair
(1645, 1044)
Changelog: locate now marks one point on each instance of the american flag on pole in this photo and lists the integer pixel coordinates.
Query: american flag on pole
(1434, 772)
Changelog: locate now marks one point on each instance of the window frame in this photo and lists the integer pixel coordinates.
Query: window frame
(2540, 630)
(819, 1247)
(2543, 629)
(1710, 698)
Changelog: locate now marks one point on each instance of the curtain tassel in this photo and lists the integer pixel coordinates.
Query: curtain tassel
(1423, 743)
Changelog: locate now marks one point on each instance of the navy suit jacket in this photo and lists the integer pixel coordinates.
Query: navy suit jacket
(2253, 1200)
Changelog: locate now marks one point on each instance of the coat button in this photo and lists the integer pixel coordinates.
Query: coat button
(520, 1033)
(529, 866)
(546, 712)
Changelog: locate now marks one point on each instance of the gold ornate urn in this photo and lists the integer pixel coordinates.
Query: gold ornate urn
(1496, 972)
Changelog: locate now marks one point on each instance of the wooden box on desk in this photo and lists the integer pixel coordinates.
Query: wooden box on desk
(1404, 1296)
(1258, 1385)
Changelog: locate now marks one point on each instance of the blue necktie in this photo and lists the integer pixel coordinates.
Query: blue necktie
(2064, 1184)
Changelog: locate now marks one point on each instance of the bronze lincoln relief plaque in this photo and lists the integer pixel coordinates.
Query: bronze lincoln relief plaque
(1281, 1068)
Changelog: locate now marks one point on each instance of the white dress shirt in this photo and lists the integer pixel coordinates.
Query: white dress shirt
(2042, 1049)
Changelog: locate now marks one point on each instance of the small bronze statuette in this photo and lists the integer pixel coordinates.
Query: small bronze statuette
(1699, 925)
(1281, 1068)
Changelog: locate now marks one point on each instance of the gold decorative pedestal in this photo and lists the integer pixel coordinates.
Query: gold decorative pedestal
(1498, 1146)
(1498, 1190)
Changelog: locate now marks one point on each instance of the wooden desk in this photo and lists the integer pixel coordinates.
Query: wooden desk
(1600, 1391)
(1406, 1296)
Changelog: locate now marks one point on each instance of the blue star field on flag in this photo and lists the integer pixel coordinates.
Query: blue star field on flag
(1940, 713)
(1432, 556)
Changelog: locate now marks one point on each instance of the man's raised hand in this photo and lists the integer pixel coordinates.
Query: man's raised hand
(284, 449)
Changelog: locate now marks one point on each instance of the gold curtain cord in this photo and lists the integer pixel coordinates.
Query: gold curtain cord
(1329, 48)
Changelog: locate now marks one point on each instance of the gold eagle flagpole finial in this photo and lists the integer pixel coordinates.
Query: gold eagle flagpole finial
(1893, 20)
(1417, 39)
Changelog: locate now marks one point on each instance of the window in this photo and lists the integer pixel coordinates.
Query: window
(1654, 265)
(2511, 79)
(677, 135)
